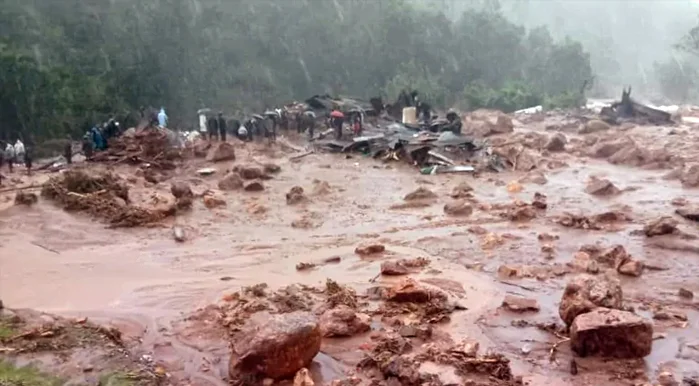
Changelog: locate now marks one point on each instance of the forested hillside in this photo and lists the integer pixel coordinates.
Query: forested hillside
(67, 64)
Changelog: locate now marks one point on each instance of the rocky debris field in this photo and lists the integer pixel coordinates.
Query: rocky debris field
(260, 264)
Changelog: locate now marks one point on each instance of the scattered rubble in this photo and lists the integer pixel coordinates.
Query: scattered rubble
(595, 222)
(611, 333)
(277, 348)
(585, 293)
(104, 196)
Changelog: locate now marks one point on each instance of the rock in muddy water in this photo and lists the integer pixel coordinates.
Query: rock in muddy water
(539, 201)
(232, 181)
(420, 194)
(408, 291)
(660, 226)
(343, 321)
(690, 177)
(393, 268)
(556, 142)
(276, 348)
(178, 234)
(249, 172)
(181, 190)
(679, 201)
(606, 149)
(520, 304)
(534, 177)
(586, 293)
(303, 378)
(463, 190)
(689, 213)
(24, 198)
(685, 293)
(370, 249)
(271, 168)
(631, 268)
(295, 196)
(611, 333)
(594, 126)
(253, 186)
(601, 187)
(223, 151)
(521, 213)
(212, 202)
(458, 208)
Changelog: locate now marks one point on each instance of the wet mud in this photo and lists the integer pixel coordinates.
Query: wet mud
(169, 299)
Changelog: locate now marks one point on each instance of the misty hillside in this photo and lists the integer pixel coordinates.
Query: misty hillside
(66, 65)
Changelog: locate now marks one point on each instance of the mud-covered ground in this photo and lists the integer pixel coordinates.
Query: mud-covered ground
(177, 304)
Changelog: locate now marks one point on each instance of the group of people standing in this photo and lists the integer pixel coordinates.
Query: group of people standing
(97, 138)
(14, 154)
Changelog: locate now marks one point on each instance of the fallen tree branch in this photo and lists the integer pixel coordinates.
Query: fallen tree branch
(46, 248)
(554, 348)
(34, 186)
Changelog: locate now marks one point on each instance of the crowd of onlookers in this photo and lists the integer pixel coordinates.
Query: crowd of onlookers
(15, 154)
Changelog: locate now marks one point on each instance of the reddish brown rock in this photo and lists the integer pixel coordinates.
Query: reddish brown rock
(521, 213)
(249, 172)
(277, 348)
(556, 142)
(611, 333)
(660, 226)
(601, 187)
(534, 177)
(420, 194)
(679, 201)
(606, 149)
(231, 181)
(253, 186)
(213, 201)
(181, 190)
(690, 177)
(343, 321)
(631, 268)
(370, 249)
(613, 256)
(670, 314)
(507, 271)
(393, 268)
(585, 293)
(685, 293)
(408, 290)
(458, 208)
(295, 196)
(546, 237)
(520, 304)
(463, 190)
(223, 151)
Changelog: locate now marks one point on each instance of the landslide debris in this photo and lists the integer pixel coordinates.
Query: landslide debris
(103, 196)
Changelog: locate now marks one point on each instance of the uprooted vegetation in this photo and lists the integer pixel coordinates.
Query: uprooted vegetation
(103, 196)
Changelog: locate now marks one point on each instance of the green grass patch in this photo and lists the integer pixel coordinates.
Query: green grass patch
(6, 330)
(25, 376)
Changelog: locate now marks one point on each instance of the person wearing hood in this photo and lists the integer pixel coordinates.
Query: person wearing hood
(213, 128)
(19, 150)
(162, 117)
(202, 125)
(10, 156)
(454, 124)
(97, 138)
(87, 145)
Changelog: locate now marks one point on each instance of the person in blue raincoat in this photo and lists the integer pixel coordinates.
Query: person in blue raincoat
(162, 118)
(98, 139)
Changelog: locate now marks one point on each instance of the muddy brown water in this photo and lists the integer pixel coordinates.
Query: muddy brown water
(145, 283)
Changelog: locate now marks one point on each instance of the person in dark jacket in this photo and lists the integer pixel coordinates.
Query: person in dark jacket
(88, 146)
(213, 128)
(221, 127)
(28, 160)
(234, 126)
(68, 151)
(454, 123)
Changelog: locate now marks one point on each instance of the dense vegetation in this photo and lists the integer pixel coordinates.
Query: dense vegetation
(67, 64)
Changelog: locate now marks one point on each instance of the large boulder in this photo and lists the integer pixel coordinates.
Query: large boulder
(458, 208)
(223, 151)
(660, 226)
(276, 348)
(556, 142)
(343, 321)
(594, 126)
(611, 333)
(601, 187)
(232, 181)
(586, 293)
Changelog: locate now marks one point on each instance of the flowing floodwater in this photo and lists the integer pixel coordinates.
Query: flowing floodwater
(145, 283)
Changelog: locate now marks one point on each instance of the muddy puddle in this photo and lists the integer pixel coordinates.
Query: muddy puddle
(149, 286)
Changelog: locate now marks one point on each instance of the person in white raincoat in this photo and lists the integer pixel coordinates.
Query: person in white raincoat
(202, 124)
